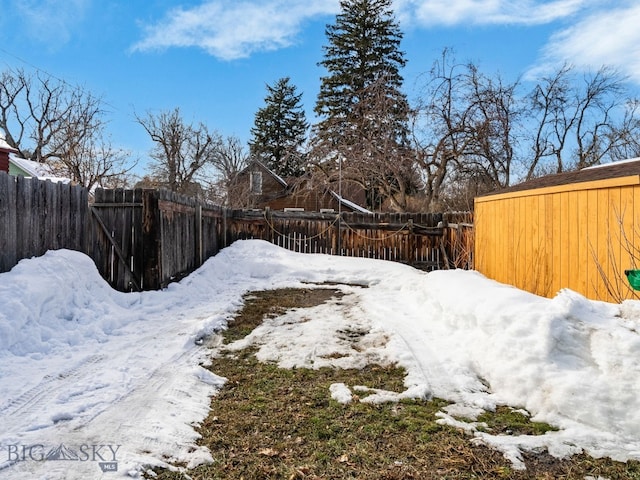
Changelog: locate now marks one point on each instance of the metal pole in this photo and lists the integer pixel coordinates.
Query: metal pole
(340, 205)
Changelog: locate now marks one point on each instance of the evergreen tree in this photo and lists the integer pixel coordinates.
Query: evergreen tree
(279, 131)
(364, 114)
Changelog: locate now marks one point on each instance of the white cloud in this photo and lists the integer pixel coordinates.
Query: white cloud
(486, 12)
(231, 29)
(605, 37)
(50, 21)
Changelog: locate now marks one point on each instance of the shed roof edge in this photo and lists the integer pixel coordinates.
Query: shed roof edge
(628, 180)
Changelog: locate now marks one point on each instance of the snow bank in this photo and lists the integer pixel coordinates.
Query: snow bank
(56, 301)
(569, 361)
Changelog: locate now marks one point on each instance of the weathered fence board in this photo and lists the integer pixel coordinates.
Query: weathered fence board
(37, 216)
(118, 253)
(144, 239)
(9, 231)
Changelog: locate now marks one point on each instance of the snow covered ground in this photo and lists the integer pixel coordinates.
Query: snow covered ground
(94, 380)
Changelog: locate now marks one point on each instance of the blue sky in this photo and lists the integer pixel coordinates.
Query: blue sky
(213, 58)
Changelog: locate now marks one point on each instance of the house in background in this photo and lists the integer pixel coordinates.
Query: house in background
(30, 169)
(578, 230)
(259, 187)
(5, 151)
(19, 167)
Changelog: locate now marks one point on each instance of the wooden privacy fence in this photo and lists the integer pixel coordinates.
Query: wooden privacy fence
(143, 239)
(425, 240)
(138, 239)
(37, 216)
(147, 238)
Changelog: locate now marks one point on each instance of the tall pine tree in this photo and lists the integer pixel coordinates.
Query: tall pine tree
(280, 129)
(364, 114)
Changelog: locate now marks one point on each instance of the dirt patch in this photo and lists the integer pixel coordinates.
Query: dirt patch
(272, 303)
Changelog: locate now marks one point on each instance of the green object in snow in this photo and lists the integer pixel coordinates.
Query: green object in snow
(633, 276)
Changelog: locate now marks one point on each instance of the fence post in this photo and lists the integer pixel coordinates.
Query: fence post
(198, 235)
(336, 241)
(411, 243)
(445, 241)
(268, 216)
(151, 273)
(8, 219)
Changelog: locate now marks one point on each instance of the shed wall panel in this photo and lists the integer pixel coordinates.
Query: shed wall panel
(582, 250)
(556, 227)
(628, 219)
(546, 240)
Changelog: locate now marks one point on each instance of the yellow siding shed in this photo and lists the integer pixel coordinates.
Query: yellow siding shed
(577, 230)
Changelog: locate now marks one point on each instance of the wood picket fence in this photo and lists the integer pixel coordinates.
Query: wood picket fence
(143, 239)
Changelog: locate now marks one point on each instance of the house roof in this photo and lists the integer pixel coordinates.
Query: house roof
(354, 206)
(622, 168)
(5, 146)
(33, 169)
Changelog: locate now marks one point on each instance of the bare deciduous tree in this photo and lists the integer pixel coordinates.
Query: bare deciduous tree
(49, 121)
(374, 157)
(41, 116)
(94, 162)
(230, 158)
(182, 152)
(627, 135)
(476, 133)
(580, 122)
(442, 130)
(493, 114)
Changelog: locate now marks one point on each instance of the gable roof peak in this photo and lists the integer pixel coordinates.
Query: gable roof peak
(268, 170)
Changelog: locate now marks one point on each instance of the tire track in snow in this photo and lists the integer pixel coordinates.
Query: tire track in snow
(160, 391)
(30, 411)
(421, 361)
(31, 402)
(25, 418)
